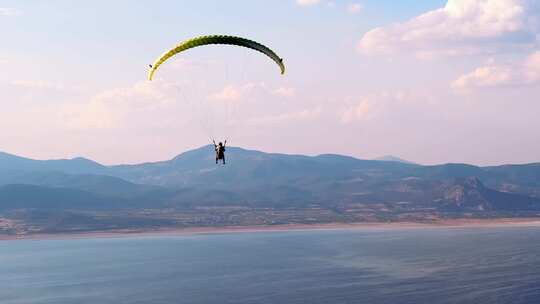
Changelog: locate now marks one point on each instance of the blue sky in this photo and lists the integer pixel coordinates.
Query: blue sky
(96, 35)
(431, 81)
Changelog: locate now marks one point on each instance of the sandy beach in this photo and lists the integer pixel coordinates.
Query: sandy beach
(440, 224)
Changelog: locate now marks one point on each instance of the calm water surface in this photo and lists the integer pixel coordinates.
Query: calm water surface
(409, 266)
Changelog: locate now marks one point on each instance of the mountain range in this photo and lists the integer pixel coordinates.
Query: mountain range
(254, 179)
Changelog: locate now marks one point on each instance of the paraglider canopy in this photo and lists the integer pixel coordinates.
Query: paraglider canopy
(215, 39)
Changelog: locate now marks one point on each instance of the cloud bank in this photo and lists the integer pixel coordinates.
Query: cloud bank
(522, 73)
(462, 27)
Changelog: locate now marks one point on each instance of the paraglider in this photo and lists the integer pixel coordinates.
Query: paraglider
(220, 151)
(215, 39)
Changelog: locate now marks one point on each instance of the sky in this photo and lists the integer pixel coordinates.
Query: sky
(429, 81)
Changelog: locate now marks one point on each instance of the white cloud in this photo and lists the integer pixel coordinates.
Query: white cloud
(307, 2)
(232, 93)
(373, 106)
(461, 27)
(135, 105)
(259, 104)
(92, 115)
(359, 111)
(522, 73)
(229, 93)
(532, 66)
(9, 12)
(285, 92)
(252, 93)
(488, 76)
(112, 108)
(354, 8)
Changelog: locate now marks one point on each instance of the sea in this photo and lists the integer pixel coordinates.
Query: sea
(439, 265)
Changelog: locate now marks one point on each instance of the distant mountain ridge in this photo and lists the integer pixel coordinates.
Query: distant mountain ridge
(78, 165)
(254, 178)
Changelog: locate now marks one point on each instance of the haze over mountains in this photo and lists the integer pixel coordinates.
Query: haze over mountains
(395, 159)
(253, 179)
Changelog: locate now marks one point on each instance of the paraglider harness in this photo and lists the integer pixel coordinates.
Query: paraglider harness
(220, 151)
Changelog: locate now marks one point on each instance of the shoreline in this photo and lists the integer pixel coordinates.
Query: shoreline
(126, 233)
